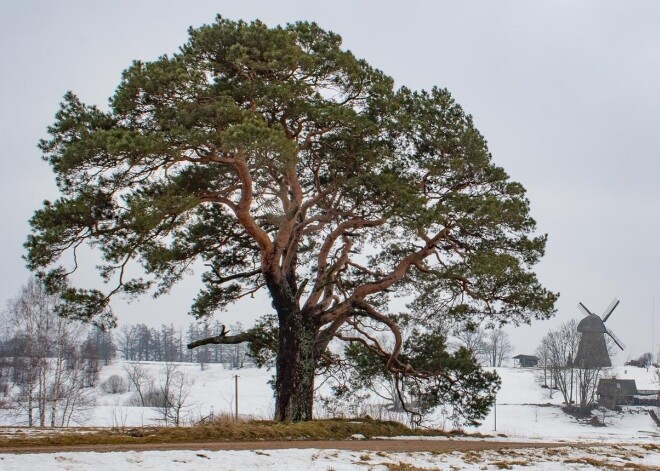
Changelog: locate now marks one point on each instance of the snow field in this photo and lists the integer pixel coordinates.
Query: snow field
(590, 458)
(212, 391)
(525, 411)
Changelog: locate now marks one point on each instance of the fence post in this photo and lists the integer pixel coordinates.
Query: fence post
(236, 397)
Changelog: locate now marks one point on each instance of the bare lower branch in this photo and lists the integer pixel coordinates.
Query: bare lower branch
(223, 339)
(398, 338)
(224, 279)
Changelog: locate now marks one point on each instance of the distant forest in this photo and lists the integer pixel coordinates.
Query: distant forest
(141, 343)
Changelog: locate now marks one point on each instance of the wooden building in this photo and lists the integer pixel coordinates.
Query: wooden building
(616, 392)
(525, 361)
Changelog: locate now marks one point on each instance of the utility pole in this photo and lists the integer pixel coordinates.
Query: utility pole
(653, 330)
(570, 398)
(495, 412)
(236, 397)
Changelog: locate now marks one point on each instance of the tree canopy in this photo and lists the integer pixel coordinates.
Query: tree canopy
(284, 163)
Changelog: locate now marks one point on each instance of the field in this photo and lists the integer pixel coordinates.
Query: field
(525, 413)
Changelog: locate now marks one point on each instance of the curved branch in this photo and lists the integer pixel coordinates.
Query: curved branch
(242, 211)
(322, 259)
(222, 338)
(223, 279)
(398, 338)
(399, 270)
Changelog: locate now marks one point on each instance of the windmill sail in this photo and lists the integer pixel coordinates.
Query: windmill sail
(584, 309)
(610, 309)
(616, 339)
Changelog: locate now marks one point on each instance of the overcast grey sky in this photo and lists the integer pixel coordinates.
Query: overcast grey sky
(566, 93)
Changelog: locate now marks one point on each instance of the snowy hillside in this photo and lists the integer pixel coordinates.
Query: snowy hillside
(524, 409)
(525, 412)
(211, 392)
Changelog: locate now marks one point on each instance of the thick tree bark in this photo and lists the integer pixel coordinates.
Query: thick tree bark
(297, 355)
(296, 366)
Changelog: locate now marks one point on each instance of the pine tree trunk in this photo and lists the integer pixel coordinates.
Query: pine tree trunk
(296, 356)
(296, 365)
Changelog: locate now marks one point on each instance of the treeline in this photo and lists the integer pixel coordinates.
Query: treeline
(137, 342)
(140, 342)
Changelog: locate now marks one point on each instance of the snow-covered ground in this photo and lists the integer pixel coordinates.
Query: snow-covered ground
(592, 458)
(212, 391)
(524, 409)
(524, 412)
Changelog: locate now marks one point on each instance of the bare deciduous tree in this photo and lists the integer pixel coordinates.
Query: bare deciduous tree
(49, 376)
(140, 379)
(497, 347)
(472, 338)
(115, 384)
(557, 351)
(173, 392)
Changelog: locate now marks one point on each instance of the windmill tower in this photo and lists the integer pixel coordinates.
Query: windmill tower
(592, 349)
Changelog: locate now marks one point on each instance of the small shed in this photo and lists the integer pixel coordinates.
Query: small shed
(614, 392)
(525, 361)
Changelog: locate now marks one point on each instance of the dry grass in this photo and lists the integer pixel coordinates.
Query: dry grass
(556, 452)
(601, 464)
(222, 430)
(510, 464)
(403, 467)
(510, 452)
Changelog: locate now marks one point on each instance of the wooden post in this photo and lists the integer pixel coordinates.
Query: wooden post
(495, 412)
(236, 397)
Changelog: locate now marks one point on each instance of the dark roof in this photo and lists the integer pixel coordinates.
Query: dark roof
(526, 357)
(591, 323)
(617, 387)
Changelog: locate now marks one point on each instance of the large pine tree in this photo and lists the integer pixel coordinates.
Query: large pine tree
(288, 165)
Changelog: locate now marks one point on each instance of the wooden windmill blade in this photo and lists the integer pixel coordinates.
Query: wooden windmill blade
(616, 339)
(610, 309)
(584, 309)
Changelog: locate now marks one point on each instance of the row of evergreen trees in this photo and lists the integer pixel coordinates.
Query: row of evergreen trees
(132, 342)
(140, 342)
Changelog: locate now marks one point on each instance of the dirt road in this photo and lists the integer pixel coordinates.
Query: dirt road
(391, 446)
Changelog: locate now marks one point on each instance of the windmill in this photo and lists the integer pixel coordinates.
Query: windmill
(592, 349)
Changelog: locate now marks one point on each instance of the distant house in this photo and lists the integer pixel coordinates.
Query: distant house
(616, 392)
(525, 361)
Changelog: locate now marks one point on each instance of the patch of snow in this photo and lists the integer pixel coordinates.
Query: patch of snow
(584, 458)
(525, 410)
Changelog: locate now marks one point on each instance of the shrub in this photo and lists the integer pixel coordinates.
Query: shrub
(643, 361)
(155, 398)
(115, 384)
(152, 397)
